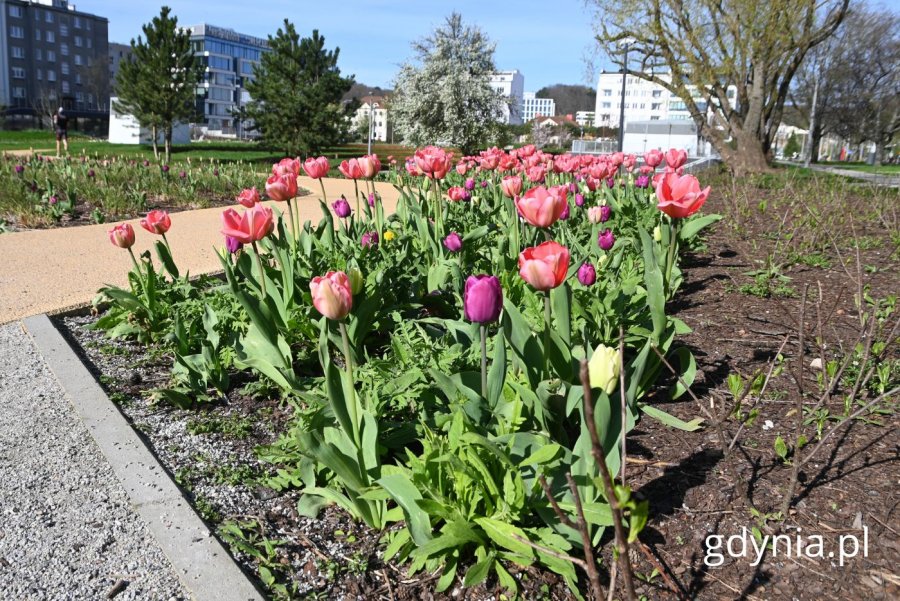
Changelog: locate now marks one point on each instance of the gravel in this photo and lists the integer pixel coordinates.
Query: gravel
(67, 530)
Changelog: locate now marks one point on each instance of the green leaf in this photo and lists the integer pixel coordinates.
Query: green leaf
(561, 303)
(405, 493)
(653, 280)
(781, 448)
(497, 372)
(671, 420)
(693, 227)
(165, 257)
(479, 572)
(542, 456)
(502, 533)
(688, 367)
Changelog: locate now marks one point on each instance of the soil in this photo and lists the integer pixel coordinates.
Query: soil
(693, 492)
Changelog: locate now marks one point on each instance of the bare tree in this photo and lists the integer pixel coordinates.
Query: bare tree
(699, 49)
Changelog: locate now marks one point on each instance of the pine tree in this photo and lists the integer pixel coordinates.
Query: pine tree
(158, 85)
(296, 94)
(447, 99)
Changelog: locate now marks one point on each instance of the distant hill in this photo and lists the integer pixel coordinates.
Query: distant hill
(360, 89)
(570, 98)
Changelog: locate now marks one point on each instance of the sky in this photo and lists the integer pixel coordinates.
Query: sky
(548, 42)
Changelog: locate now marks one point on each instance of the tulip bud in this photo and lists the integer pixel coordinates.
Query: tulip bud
(453, 242)
(657, 234)
(603, 368)
(356, 279)
(482, 298)
(587, 275)
(606, 239)
(341, 207)
(579, 200)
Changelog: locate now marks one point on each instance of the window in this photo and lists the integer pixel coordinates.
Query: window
(15, 11)
(51, 56)
(48, 17)
(37, 35)
(657, 93)
(79, 96)
(656, 106)
(65, 86)
(607, 92)
(38, 54)
(606, 105)
(78, 41)
(78, 60)
(37, 14)
(18, 52)
(39, 73)
(90, 43)
(18, 92)
(77, 22)
(78, 78)
(64, 49)
(51, 37)
(64, 68)
(18, 73)
(16, 32)
(87, 25)
(64, 30)
(51, 75)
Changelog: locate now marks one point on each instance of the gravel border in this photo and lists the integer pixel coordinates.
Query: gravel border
(200, 561)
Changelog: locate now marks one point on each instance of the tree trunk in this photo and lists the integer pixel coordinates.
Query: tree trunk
(815, 143)
(153, 134)
(879, 152)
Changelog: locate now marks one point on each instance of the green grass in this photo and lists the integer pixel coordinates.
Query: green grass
(864, 168)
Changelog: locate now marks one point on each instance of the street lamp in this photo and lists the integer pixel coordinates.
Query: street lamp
(625, 43)
(371, 119)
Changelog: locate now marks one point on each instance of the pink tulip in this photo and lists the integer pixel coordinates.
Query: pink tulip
(628, 162)
(680, 196)
(332, 295)
(248, 197)
(462, 167)
(652, 158)
(433, 162)
(676, 158)
(122, 235)
(251, 225)
(511, 185)
(287, 167)
(316, 168)
(457, 193)
(369, 165)
(156, 222)
(281, 187)
(544, 266)
(542, 207)
(351, 169)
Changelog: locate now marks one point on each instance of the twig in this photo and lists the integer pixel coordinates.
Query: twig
(388, 582)
(659, 568)
(622, 397)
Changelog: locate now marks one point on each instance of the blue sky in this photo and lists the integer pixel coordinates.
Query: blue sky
(547, 42)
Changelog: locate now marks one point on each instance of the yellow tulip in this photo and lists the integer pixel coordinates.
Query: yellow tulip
(389, 235)
(603, 368)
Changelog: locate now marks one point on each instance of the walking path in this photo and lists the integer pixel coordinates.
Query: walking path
(51, 270)
(876, 179)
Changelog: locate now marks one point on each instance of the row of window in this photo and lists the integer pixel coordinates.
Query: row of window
(19, 52)
(50, 17)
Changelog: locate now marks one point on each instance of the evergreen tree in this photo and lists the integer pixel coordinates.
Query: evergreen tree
(158, 85)
(296, 94)
(448, 99)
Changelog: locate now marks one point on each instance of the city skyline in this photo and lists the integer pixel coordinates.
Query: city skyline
(377, 41)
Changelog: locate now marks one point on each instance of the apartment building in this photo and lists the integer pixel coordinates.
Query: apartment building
(118, 53)
(373, 110)
(537, 107)
(52, 55)
(511, 85)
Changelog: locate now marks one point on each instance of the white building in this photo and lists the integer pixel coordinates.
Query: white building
(537, 107)
(374, 108)
(125, 129)
(644, 101)
(511, 84)
(641, 136)
(585, 118)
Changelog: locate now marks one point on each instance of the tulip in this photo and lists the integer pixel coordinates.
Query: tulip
(542, 207)
(657, 234)
(182, 174)
(652, 158)
(146, 163)
(165, 168)
(433, 162)
(216, 172)
(680, 196)
(356, 280)
(316, 168)
(157, 222)
(470, 184)
(332, 295)
(457, 193)
(53, 200)
(462, 167)
(232, 244)
(369, 165)
(251, 225)
(341, 207)
(351, 169)
(248, 197)
(645, 170)
(544, 266)
(605, 213)
(606, 239)
(512, 186)
(642, 181)
(453, 242)
(122, 235)
(603, 369)
(287, 166)
(676, 158)
(369, 239)
(281, 187)
(579, 200)
(565, 213)
(91, 173)
(595, 214)
(482, 298)
(628, 162)
(371, 200)
(587, 275)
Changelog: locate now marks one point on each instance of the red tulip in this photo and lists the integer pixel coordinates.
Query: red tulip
(511, 185)
(281, 187)
(542, 207)
(544, 266)
(122, 235)
(351, 169)
(676, 158)
(433, 162)
(316, 168)
(652, 158)
(156, 222)
(248, 197)
(287, 167)
(332, 295)
(251, 225)
(457, 193)
(680, 196)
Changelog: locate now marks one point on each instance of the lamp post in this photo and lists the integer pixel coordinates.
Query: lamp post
(371, 120)
(625, 43)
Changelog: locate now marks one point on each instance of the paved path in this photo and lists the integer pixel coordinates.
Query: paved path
(67, 528)
(876, 179)
(50, 270)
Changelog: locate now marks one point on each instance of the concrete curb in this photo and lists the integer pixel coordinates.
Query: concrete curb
(201, 562)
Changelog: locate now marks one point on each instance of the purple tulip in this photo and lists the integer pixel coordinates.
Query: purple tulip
(371, 200)
(20, 169)
(610, 182)
(369, 239)
(53, 200)
(470, 184)
(146, 163)
(605, 213)
(165, 168)
(341, 208)
(91, 173)
(642, 181)
(216, 172)
(565, 214)
(182, 174)
(606, 239)
(453, 242)
(484, 184)
(572, 188)
(587, 275)
(232, 244)
(579, 200)
(482, 298)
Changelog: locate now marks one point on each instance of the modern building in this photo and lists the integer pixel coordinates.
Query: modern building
(644, 101)
(228, 58)
(511, 85)
(118, 53)
(125, 129)
(532, 107)
(585, 118)
(372, 110)
(641, 136)
(52, 55)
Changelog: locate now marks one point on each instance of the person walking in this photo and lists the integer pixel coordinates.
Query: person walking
(61, 122)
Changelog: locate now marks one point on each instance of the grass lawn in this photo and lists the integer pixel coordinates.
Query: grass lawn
(864, 168)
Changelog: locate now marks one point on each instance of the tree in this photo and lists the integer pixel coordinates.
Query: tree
(296, 94)
(730, 62)
(447, 98)
(792, 146)
(158, 84)
(570, 99)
